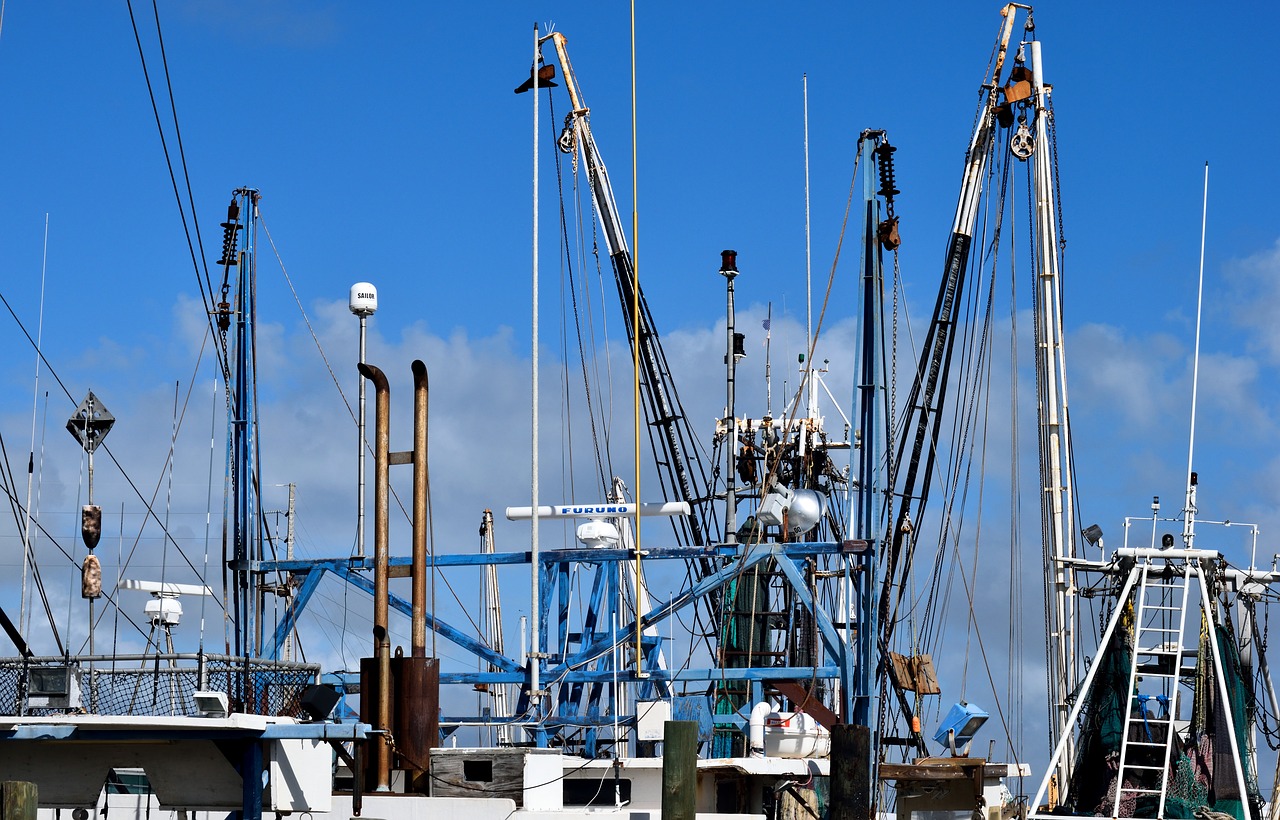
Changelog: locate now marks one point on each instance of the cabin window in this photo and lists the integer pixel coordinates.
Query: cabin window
(127, 781)
(477, 771)
(595, 791)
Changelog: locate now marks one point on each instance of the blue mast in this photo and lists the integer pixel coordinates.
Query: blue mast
(238, 253)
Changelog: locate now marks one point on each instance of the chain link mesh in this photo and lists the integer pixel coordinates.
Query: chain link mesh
(159, 685)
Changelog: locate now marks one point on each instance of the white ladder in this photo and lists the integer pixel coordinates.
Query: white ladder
(1157, 645)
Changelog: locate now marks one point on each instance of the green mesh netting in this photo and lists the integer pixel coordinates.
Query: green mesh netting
(1204, 773)
(1103, 725)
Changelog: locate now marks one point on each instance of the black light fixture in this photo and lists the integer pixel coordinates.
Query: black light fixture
(318, 701)
(1093, 535)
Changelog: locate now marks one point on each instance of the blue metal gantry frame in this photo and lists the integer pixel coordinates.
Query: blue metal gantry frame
(583, 663)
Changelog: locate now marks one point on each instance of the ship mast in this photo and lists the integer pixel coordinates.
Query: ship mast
(1056, 511)
(236, 318)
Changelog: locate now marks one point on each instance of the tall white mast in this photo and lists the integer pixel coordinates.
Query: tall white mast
(811, 395)
(1189, 508)
(1057, 520)
(535, 655)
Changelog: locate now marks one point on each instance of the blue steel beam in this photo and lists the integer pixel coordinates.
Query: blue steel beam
(587, 635)
(310, 581)
(753, 554)
(563, 579)
(586, 556)
(441, 628)
(349, 679)
(829, 635)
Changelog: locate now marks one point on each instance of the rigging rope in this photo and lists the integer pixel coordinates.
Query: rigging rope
(197, 259)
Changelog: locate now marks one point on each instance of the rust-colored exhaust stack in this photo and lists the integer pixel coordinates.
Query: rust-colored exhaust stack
(400, 696)
(380, 688)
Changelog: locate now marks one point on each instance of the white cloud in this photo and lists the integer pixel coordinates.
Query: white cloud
(1254, 298)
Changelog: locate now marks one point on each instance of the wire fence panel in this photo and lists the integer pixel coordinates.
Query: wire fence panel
(157, 685)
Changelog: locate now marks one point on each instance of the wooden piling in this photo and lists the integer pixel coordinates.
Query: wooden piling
(851, 785)
(679, 769)
(18, 800)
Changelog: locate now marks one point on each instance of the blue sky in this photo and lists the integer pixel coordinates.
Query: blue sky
(388, 146)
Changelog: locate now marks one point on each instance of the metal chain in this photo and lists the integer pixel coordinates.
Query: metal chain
(1057, 178)
(893, 380)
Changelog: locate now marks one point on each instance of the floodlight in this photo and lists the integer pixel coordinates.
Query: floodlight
(211, 704)
(959, 726)
(318, 701)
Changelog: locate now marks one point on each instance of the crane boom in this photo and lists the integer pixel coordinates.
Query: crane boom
(686, 477)
(928, 390)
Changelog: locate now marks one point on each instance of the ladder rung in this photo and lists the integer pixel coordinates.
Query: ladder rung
(1164, 608)
(1147, 768)
(1146, 743)
(1141, 791)
(1159, 629)
(1157, 651)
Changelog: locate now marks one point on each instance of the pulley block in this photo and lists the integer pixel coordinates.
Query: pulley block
(1022, 143)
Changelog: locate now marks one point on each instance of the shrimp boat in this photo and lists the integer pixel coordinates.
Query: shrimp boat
(791, 562)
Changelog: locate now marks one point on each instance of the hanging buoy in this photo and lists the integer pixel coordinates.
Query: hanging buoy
(91, 524)
(91, 578)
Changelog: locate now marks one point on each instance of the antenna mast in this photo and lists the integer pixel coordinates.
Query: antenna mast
(1189, 509)
(808, 268)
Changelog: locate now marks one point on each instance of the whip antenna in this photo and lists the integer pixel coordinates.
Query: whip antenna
(1189, 510)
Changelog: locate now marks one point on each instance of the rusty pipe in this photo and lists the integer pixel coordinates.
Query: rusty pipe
(419, 623)
(381, 597)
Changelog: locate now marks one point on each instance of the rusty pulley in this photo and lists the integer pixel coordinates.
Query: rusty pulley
(887, 234)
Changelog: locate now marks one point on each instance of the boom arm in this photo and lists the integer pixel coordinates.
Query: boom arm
(928, 391)
(662, 407)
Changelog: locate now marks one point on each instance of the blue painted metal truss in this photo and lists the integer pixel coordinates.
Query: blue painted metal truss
(582, 674)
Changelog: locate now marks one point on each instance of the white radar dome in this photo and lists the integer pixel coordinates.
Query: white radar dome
(597, 534)
(364, 299)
